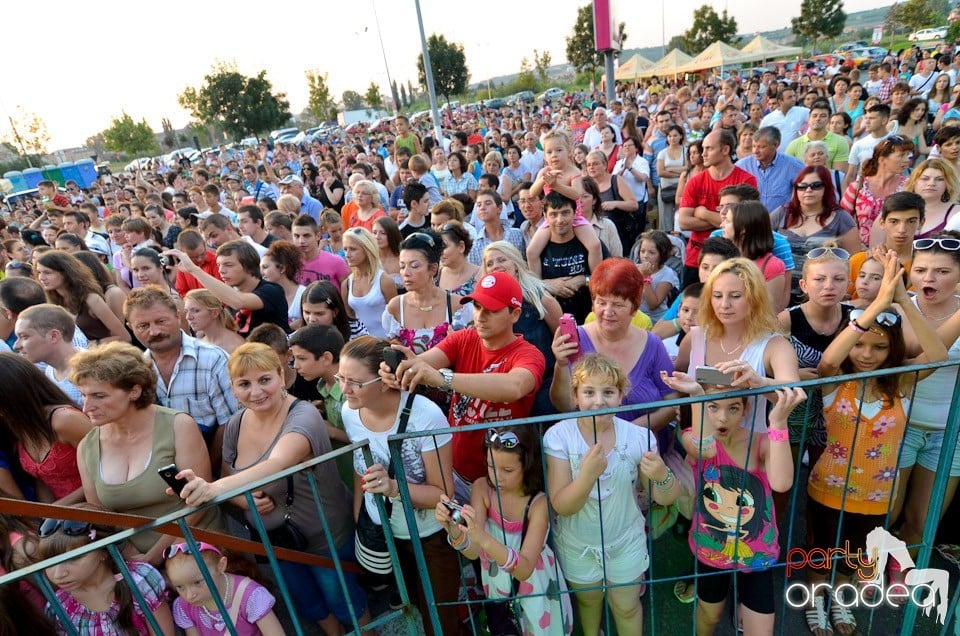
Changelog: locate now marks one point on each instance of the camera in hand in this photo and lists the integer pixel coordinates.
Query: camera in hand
(456, 514)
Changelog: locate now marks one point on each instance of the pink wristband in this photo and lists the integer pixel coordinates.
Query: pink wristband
(778, 435)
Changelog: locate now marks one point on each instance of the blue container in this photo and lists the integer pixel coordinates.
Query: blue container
(16, 178)
(52, 173)
(86, 172)
(69, 171)
(33, 176)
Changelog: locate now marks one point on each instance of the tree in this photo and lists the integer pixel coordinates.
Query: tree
(819, 19)
(541, 61)
(403, 96)
(411, 93)
(352, 100)
(580, 44)
(395, 96)
(372, 97)
(28, 133)
(678, 42)
(449, 64)
(96, 143)
(526, 80)
(914, 14)
(236, 104)
(169, 137)
(708, 27)
(319, 101)
(130, 137)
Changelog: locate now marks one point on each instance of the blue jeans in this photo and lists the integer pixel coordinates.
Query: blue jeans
(317, 591)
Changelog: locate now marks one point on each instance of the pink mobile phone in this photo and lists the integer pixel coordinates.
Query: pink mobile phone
(568, 327)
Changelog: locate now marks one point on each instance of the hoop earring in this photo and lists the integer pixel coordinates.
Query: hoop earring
(944, 197)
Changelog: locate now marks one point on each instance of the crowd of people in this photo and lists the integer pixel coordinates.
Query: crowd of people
(238, 316)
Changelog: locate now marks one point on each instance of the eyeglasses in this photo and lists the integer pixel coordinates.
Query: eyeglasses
(70, 528)
(177, 548)
(885, 318)
(426, 238)
(839, 252)
(506, 439)
(816, 185)
(353, 384)
(949, 244)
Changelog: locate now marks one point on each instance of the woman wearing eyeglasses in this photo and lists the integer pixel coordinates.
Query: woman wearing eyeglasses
(937, 182)
(373, 412)
(368, 289)
(275, 431)
(812, 218)
(851, 485)
(880, 176)
(934, 274)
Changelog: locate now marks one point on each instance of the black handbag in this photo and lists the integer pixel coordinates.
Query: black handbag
(371, 542)
(287, 535)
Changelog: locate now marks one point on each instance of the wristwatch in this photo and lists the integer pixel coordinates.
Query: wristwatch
(447, 380)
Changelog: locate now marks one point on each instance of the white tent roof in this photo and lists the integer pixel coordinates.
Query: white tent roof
(761, 48)
(629, 69)
(718, 54)
(667, 65)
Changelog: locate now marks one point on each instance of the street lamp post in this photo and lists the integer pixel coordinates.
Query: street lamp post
(428, 71)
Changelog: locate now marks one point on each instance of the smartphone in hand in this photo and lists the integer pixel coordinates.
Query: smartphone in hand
(392, 357)
(568, 327)
(169, 474)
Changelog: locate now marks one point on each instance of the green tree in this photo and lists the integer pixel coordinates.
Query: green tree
(236, 104)
(914, 14)
(130, 137)
(449, 64)
(169, 136)
(28, 133)
(352, 100)
(526, 80)
(708, 27)
(541, 62)
(319, 101)
(96, 143)
(819, 19)
(679, 42)
(403, 96)
(411, 92)
(372, 96)
(580, 43)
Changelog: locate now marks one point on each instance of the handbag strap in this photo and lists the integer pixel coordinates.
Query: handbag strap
(288, 500)
(515, 584)
(402, 427)
(237, 601)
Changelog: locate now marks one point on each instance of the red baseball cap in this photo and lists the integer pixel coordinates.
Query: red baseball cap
(496, 291)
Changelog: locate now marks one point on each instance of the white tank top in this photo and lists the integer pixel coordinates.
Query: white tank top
(369, 308)
(932, 398)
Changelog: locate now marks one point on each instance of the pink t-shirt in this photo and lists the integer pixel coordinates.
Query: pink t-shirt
(256, 603)
(325, 266)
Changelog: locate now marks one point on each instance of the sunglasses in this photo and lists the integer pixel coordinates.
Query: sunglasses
(353, 383)
(426, 238)
(949, 244)
(506, 439)
(839, 252)
(816, 185)
(50, 527)
(355, 230)
(177, 548)
(885, 318)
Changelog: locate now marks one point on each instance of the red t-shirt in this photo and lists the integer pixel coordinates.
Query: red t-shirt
(704, 190)
(187, 282)
(468, 355)
(61, 201)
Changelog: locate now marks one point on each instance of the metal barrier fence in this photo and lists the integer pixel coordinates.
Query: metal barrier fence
(908, 621)
(659, 615)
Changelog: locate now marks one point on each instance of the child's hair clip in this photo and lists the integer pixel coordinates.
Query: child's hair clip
(118, 577)
(93, 534)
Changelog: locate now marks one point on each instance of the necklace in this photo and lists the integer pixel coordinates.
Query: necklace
(732, 351)
(938, 318)
(215, 616)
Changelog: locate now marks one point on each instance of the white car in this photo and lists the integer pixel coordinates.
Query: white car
(933, 33)
(552, 93)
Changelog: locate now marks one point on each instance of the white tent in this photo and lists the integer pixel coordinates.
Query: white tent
(667, 65)
(628, 71)
(762, 49)
(717, 55)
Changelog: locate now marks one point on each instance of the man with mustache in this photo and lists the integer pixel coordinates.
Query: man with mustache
(192, 375)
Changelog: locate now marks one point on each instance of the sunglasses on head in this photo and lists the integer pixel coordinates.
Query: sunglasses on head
(885, 318)
(426, 238)
(50, 527)
(839, 252)
(947, 243)
(506, 439)
(815, 185)
(177, 548)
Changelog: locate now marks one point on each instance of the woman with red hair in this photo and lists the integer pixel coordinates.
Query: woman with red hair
(615, 287)
(812, 218)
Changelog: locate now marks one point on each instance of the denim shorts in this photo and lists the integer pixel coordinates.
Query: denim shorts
(923, 446)
(317, 592)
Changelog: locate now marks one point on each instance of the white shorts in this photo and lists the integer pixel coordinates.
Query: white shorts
(623, 563)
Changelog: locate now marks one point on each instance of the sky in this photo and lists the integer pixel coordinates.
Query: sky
(80, 64)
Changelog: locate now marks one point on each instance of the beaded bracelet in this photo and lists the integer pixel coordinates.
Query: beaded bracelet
(778, 435)
(709, 439)
(664, 485)
(513, 560)
(856, 327)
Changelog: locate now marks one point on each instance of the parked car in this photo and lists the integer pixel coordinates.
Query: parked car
(867, 56)
(552, 93)
(494, 103)
(382, 125)
(276, 134)
(522, 96)
(849, 46)
(932, 33)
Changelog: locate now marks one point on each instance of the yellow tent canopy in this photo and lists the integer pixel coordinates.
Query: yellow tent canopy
(628, 70)
(761, 48)
(717, 55)
(667, 65)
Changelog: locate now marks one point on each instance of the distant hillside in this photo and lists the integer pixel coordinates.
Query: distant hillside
(855, 21)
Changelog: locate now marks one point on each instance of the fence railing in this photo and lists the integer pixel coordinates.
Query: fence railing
(662, 611)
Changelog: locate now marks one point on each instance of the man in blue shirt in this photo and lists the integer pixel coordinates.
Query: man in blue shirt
(774, 170)
(292, 184)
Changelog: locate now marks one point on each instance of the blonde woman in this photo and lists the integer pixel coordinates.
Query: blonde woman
(937, 182)
(368, 289)
(210, 321)
(289, 204)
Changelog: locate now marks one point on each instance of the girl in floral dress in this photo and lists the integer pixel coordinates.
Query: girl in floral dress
(505, 525)
(865, 424)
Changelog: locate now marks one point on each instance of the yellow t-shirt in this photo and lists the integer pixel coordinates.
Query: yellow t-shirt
(640, 320)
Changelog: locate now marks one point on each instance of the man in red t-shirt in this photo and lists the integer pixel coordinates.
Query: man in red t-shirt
(701, 196)
(493, 373)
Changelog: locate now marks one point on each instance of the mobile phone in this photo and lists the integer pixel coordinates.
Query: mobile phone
(392, 357)
(169, 474)
(568, 327)
(456, 514)
(710, 375)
